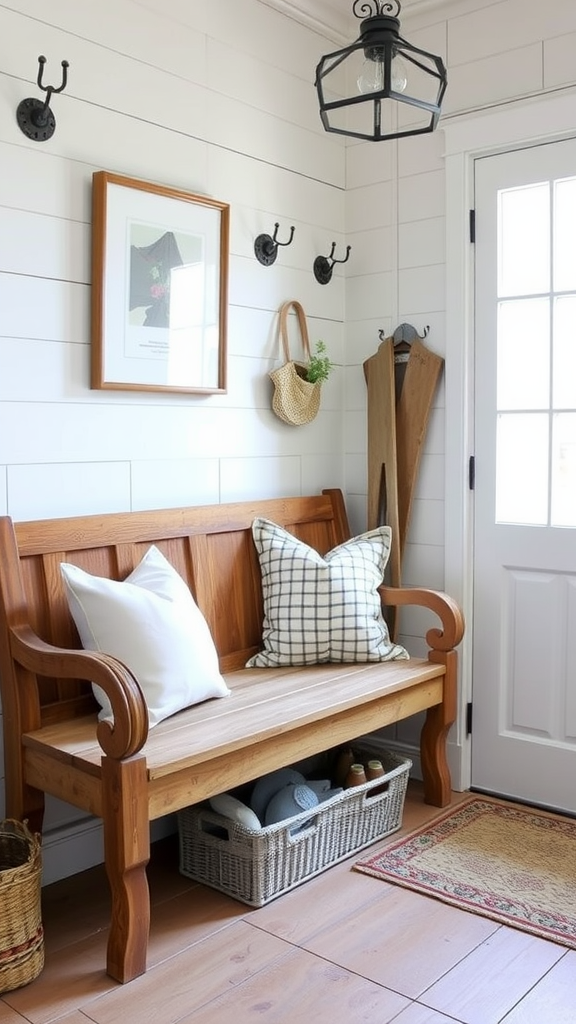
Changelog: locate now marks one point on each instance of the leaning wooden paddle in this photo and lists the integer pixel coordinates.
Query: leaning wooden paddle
(382, 449)
(413, 405)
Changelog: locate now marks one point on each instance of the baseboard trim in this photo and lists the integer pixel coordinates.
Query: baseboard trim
(76, 847)
(453, 753)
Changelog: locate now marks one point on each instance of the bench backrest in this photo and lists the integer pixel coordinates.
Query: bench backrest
(210, 546)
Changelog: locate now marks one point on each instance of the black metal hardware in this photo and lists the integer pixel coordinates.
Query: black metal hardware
(407, 333)
(472, 226)
(34, 116)
(471, 472)
(395, 74)
(266, 246)
(403, 337)
(323, 265)
(469, 719)
(374, 8)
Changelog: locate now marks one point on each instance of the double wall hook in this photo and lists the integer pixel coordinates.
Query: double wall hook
(34, 116)
(404, 334)
(266, 246)
(402, 338)
(323, 265)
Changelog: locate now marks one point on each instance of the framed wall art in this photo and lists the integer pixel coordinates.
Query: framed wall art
(159, 287)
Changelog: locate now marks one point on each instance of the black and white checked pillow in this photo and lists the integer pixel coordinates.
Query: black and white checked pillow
(321, 609)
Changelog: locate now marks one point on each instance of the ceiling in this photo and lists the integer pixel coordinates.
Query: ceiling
(334, 18)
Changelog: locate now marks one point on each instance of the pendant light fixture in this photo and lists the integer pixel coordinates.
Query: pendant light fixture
(367, 89)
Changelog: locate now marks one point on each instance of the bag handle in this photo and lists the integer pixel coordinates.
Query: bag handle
(298, 309)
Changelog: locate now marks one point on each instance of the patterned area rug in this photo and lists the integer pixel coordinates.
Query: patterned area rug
(512, 864)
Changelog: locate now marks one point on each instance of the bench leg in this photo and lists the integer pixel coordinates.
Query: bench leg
(439, 719)
(435, 770)
(127, 852)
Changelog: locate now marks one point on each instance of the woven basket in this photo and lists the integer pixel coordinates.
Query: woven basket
(21, 932)
(295, 399)
(256, 866)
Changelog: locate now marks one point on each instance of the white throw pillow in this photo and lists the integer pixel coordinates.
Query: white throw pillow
(322, 609)
(152, 624)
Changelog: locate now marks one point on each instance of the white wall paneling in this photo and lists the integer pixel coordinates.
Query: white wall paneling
(559, 61)
(170, 483)
(49, 490)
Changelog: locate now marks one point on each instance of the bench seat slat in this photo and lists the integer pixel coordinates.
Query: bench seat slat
(249, 716)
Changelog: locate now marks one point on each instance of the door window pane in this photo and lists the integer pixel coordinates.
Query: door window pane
(565, 352)
(564, 470)
(565, 235)
(522, 468)
(536, 354)
(523, 371)
(524, 240)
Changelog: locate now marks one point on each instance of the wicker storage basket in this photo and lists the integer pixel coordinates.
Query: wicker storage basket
(21, 932)
(257, 866)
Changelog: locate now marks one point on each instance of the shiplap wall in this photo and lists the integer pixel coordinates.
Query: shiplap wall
(213, 97)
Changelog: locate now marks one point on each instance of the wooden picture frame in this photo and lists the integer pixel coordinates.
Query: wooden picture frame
(159, 287)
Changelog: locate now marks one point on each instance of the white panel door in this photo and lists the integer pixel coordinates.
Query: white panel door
(524, 619)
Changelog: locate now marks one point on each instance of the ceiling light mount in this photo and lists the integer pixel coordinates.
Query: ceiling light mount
(367, 100)
(378, 16)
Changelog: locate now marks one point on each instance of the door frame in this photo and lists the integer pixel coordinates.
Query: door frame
(548, 118)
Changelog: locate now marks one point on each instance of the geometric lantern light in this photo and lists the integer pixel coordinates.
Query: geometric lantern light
(365, 88)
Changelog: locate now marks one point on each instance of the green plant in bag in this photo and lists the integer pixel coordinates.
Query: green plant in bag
(319, 366)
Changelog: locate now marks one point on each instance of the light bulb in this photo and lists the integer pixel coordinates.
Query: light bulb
(398, 75)
(371, 77)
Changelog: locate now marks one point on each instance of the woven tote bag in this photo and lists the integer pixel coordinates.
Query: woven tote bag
(295, 400)
(21, 932)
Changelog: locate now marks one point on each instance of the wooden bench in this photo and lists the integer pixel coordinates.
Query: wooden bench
(128, 776)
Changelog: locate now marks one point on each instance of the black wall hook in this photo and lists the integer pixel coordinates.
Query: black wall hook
(266, 246)
(34, 116)
(405, 334)
(402, 338)
(323, 265)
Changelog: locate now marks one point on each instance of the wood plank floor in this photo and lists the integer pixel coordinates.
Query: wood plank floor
(343, 948)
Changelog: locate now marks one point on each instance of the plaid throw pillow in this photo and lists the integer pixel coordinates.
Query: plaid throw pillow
(322, 609)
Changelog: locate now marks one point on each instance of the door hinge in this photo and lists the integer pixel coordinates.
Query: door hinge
(472, 226)
(472, 472)
(469, 718)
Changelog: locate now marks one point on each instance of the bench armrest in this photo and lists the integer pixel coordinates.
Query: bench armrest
(447, 610)
(119, 739)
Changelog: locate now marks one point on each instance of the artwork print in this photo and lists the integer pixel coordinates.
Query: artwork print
(160, 288)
